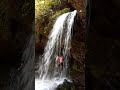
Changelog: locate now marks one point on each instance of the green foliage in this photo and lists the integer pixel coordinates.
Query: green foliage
(59, 13)
(43, 6)
(53, 18)
(43, 9)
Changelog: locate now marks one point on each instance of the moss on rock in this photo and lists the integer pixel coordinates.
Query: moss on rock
(58, 13)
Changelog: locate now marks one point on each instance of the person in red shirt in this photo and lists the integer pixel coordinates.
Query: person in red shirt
(61, 61)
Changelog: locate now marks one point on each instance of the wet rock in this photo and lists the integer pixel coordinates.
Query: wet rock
(66, 85)
(74, 85)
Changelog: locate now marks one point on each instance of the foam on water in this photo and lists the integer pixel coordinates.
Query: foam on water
(47, 84)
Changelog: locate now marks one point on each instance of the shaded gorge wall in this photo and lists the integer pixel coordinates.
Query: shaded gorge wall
(103, 41)
(17, 48)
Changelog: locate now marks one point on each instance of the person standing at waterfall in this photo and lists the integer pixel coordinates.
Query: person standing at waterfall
(61, 61)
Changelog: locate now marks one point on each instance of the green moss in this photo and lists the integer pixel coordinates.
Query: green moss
(43, 6)
(53, 18)
(58, 13)
(43, 9)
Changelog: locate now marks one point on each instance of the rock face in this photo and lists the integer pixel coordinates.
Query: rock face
(78, 51)
(80, 5)
(23, 76)
(17, 48)
(103, 58)
(74, 85)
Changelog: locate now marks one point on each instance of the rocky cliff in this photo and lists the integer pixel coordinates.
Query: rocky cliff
(103, 41)
(17, 48)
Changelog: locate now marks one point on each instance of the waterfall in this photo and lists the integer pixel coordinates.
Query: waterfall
(58, 45)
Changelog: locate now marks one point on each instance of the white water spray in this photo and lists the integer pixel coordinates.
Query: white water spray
(51, 74)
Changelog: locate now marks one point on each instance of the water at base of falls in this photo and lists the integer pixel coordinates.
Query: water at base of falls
(59, 44)
(48, 84)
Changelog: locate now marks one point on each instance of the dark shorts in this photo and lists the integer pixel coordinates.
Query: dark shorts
(61, 64)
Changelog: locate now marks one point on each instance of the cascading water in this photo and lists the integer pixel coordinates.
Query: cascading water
(51, 73)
